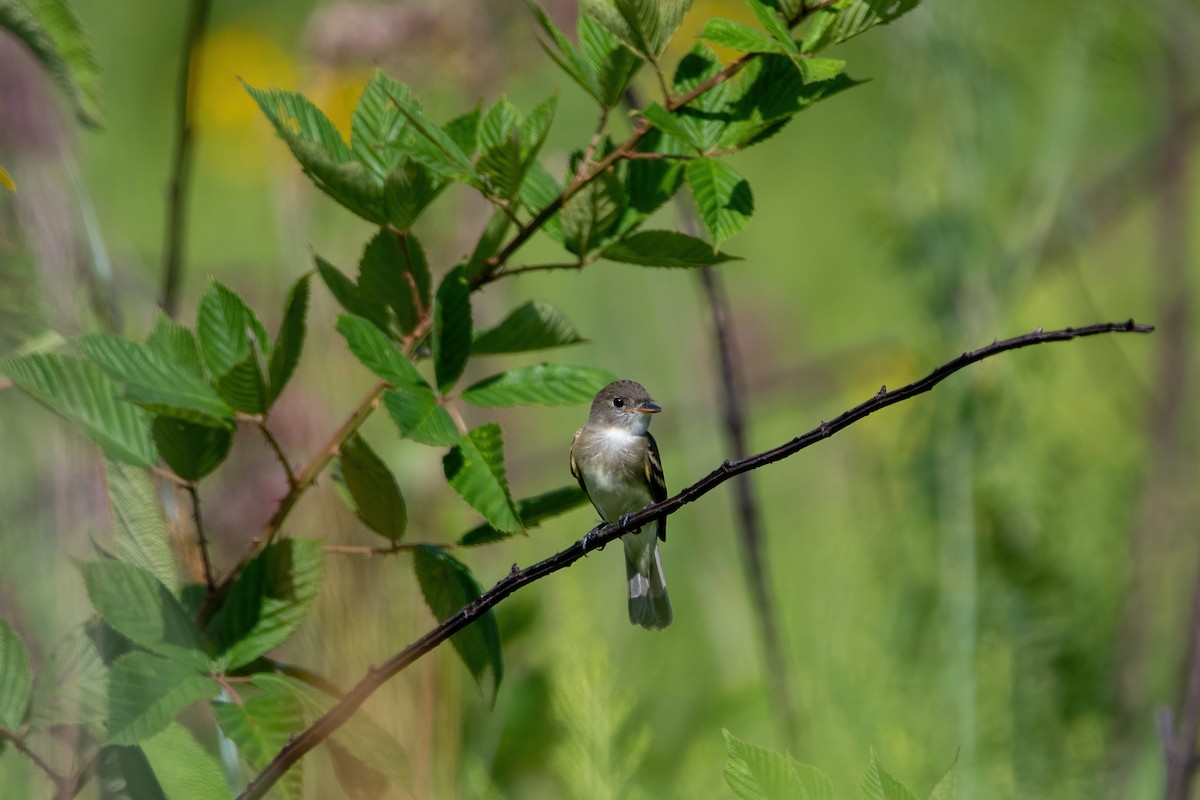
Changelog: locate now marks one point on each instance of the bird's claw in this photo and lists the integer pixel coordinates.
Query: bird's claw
(624, 521)
(588, 538)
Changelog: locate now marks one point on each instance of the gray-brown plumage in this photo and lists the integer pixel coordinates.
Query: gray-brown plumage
(616, 461)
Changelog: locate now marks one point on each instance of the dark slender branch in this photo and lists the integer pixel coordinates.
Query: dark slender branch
(60, 781)
(273, 443)
(182, 165)
(209, 583)
(600, 536)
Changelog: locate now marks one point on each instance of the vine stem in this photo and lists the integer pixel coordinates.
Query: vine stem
(600, 536)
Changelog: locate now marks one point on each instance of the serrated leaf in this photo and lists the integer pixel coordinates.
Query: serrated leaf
(722, 197)
(235, 347)
(154, 383)
(539, 385)
(191, 451)
(146, 692)
(348, 296)
(260, 726)
(708, 115)
(50, 29)
(820, 69)
(141, 533)
(393, 271)
(378, 353)
(433, 146)
(408, 191)
(773, 25)
(136, 605)
(82, 394)
(174, 343)
(71, 688)
(593, 213)
(613, 65)
(184, 769)
(736, 36)
(878, 784)
(420, 417)
(755, 773)
(448, 585)
(16, 679)
(644, 26)
(376, 495)
(649, 183)
(844, 21)
(562, 52)
(289, 342)
(451, 328)
(475, 468)
(268, 601)
(672, 125)
(533, 511)
(665, 249)
(464, 130)
(377, 124)
(532, 326)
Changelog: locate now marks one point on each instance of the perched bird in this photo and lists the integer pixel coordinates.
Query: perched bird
(616, 462)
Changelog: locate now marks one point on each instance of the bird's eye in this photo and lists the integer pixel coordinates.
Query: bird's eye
(618, 402)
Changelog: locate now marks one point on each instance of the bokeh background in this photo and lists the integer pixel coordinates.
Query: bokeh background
(998, 573)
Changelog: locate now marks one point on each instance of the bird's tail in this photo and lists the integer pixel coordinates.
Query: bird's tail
(649, 604)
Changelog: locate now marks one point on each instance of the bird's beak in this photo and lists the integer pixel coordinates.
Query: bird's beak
(648, 408)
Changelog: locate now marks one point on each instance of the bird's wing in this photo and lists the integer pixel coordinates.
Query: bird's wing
(658, 484)
(575, 467)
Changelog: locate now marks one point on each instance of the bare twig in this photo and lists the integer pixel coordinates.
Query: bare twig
(386, 550)
(60, 781)
(182, 164)
(600, 536)
(273, 443)
(209, 583)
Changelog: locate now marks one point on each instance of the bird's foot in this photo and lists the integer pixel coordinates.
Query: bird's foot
(588, 539)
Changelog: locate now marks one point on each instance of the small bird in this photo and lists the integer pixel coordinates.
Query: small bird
(616, 462)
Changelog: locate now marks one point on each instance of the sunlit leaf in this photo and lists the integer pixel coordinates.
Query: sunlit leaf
(755, 773)
(878, 784)
(420, 416)
(722, 197)
(475, 468)
(378, 353)
(185, 770)
(532, 326)
(539, 385)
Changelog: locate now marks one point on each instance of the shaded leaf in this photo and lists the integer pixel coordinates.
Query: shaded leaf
(71, 688)
(184, 769)
(533, 511)
(475, 468)
(175, 344)
(16, 679)
(393, 271)
(347, 295)
(532, 326)
(376, 495)
(722, 197)
(138, 606)
(665, 249)
(451, 328)
(141, 533)
(613, 65)
(191, 451)
(592, 213)
(644, 26)
(420, 417)
(408, 191)
(268, 601)
(539, 385)
(146, 692)
(126, 775)
(81, 393)
(448, 585)
(289, 342)
(235, 346)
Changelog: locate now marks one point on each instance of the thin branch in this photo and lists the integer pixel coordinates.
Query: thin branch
(209, 583)
(18, 743)
(576, 265)
(182, 166)
(600, 536)
(388, 550)
(273, 443)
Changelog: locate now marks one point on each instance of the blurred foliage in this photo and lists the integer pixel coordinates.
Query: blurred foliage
(953, 575)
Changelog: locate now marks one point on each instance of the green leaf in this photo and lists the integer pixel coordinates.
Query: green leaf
(377, 124)
(665, 249)
(779, 31)
(592, 214)
(141, 534)
(82, 394)
(376, 495)
(261, 725)
(755, 773)
(408, 191)
(448, 585)
(184, 769)
(879, 785)
(613, 65)
(707, 116)
(644, 26)
(946, 788)
(722, 197)
(672, 125)
(532, 326)
(846, 20)
(71, 688)
(533, 511)
(146, 692)
(736, 36)
(16, 680)
(820, 69)
(451, 329)
(127, 768)
(649, 183)
(321, 152)
(464, 130)
(420, 417)
(562, 52)
(191, 451)
(268, 602)
(289, 342)
(235, 346)
(156, 384)
(539, 385)
(346, 293)
(378, 353)
(489, 243)
(539, 190)
(393, 271)
(175, 344)
(436, 148)
(50, 29)
(475, 468)
(135, 604)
